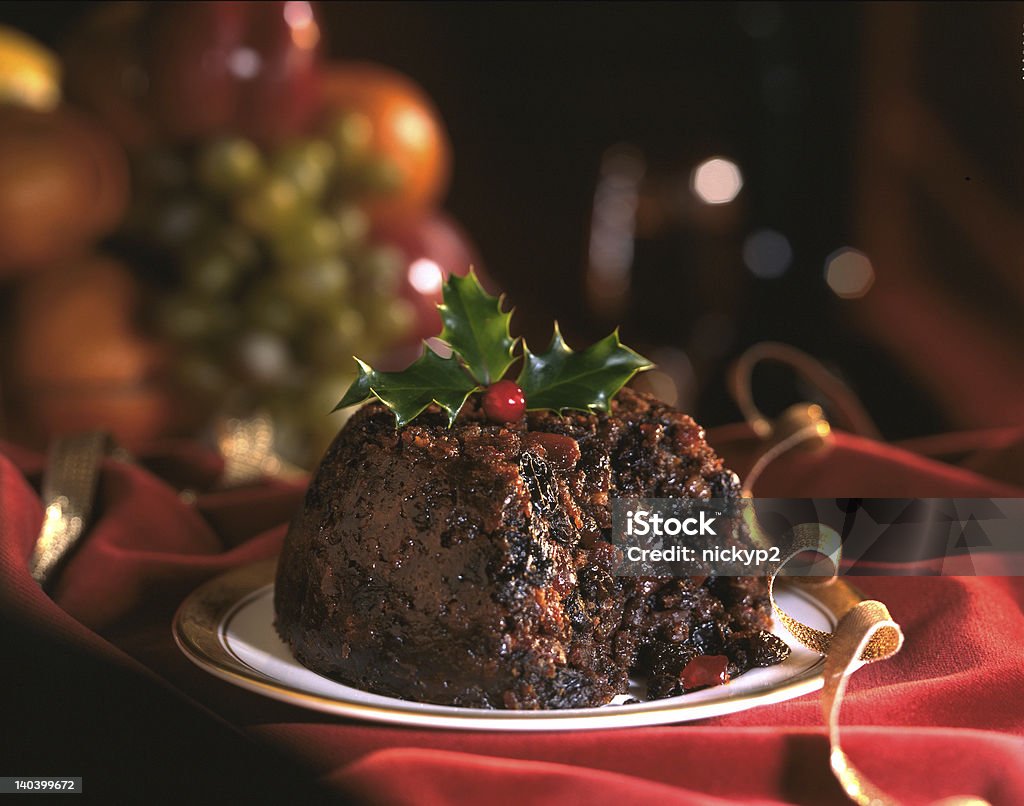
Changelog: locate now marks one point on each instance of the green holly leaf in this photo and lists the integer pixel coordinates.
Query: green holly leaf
(430, 379)
(360, 388)
(476, 328)
(588, 380)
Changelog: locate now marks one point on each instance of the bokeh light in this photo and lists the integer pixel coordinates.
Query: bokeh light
(298, 14)
(426, 276)
(717, 181)
(767, 253)
(849, 273)
(413, 127)
(244, 63)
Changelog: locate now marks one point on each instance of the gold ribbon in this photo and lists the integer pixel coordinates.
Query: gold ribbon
(69, 487)
(72, 473)
(865, 633)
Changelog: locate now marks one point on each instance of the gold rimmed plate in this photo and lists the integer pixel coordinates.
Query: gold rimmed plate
(226, 627)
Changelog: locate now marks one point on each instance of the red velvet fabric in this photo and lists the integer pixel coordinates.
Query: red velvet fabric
(944, 717)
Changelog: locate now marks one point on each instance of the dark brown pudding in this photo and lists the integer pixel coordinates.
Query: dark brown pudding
(471, 565)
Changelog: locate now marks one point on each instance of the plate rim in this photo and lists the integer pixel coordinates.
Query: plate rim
(199, 630)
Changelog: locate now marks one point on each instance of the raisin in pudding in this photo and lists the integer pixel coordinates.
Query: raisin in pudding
(468, 563)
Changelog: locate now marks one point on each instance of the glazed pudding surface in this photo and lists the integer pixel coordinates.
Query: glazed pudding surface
(471, 565)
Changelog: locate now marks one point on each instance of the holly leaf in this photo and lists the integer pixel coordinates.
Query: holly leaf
(476, 328)
(360, 388)
(588, 380)
(430, 379)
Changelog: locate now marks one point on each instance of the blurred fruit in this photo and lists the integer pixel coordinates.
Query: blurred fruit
(354, 223)
(29, 73)
(267, 308)
(189, 55)
(332, 345)
(242, 67)
(201, 374)
(229, 166)
(76, 358)
(161, 168)
(63, 184)
(264, 357)
(375, 113)
(398, 317)
(308, 165)
(308, 238)
(351, 133)
(238, 244)
(190, 319)
(211, 272)
(178, 220)
(281, 100)
(431, 247)
(272, 206)
(104, 71)
(260, 234)
(317, 285)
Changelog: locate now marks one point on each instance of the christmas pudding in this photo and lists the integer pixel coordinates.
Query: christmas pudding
(453, 546)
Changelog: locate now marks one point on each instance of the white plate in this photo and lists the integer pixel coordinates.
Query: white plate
(226, 628)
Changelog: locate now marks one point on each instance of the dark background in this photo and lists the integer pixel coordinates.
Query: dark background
(534, 94)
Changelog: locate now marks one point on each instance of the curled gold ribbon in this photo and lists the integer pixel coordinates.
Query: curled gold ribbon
(865, 633)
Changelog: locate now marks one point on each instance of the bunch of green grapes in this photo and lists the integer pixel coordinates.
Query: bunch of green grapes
(272, 283)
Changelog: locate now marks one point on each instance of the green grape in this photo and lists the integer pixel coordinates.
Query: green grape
(348, 326)
(230, 166)
(188, 319)
(354, 223)
(308, 238)
(381, 267)
(395, 319)
(351, 134)
(239, 245)
(317, 285)
(266, 307)
(211, 272)
(307, 165)
(272, 205)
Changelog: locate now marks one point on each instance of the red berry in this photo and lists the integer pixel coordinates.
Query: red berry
(705, 670)
(504, 402)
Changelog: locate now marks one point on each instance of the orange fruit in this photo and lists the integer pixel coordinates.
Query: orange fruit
(402, 128)
(63, 185)
(76, 358)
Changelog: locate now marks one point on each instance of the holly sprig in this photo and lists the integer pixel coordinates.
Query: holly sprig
(483, 350)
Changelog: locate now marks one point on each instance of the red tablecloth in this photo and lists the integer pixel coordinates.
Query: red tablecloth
(944, 717)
